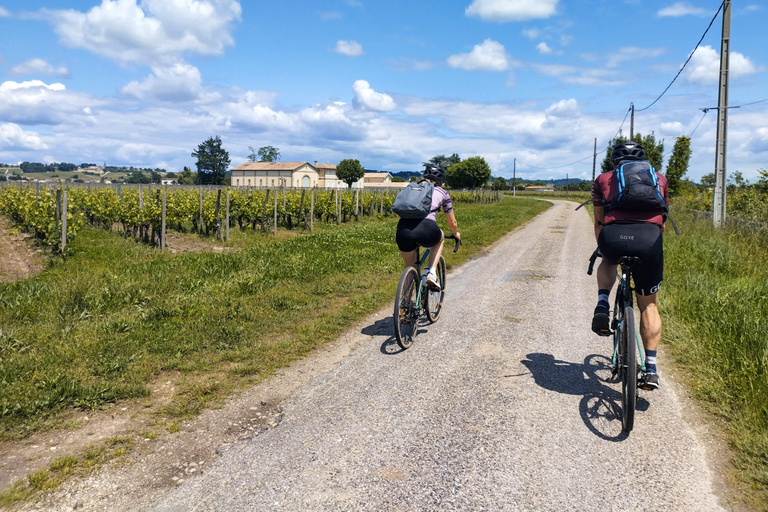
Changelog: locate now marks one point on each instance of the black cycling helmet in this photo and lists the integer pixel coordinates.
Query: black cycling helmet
(434, 172)
(629, 150)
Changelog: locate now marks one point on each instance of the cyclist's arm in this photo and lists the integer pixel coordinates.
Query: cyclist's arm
(452, 225)
(599, 219)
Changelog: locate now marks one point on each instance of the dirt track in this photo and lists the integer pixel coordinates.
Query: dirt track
(501, 405)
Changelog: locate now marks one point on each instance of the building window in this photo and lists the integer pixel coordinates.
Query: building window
(305, 182)
(260, 184)
(249, 182)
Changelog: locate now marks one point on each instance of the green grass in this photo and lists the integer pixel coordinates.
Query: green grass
(98, 326)
(714, 302)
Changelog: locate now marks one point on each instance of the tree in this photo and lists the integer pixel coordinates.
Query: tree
(397, 179)
(654, 150)
(708, 180)
(678, 164)
(349, 171)
(212, 162)
(268, 154)
(252, 156)
(443, 161)
(185, 177)
(470, 173)
(500, 184)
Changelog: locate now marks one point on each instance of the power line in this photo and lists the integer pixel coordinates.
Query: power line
(687, 61)
(622, 123)
(697, 125)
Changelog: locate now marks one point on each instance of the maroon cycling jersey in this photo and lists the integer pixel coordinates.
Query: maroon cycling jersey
(605, 189)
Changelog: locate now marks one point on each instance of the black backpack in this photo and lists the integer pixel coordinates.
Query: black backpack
(414, 201)
(638, 188)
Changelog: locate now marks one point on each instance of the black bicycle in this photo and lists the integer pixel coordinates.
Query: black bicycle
(628, 355)
(415, 299)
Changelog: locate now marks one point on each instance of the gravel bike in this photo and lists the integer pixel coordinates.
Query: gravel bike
(628, 355)
(414, 299)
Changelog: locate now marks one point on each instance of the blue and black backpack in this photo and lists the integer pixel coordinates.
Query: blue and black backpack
(638, 188)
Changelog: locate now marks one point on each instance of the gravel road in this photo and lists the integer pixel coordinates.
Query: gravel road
(500, 405)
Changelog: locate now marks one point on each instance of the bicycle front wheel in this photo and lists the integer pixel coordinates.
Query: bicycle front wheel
(435, 297)
(628, 343)
(406, 308)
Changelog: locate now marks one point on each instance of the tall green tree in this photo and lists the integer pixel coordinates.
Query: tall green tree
(349, 171)
(654, 150)
(252, 155)
(212, 162)
(268, 154)
(678, 164)
(470, 173)
(443, 161)
(500, 184)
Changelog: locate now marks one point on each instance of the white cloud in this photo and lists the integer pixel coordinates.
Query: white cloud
(564, 108)
(349, 48)
(489, 56)
(531, 33)
(511, 10)
(632, 53)
(330, 15)
(39, 67)
(34, 102)
(370, 99)
(580, 76)
(704, 66)
(13, 137)
(4, 12)
(682, 9)
(180, 82)
(544, 49)
(151, 31)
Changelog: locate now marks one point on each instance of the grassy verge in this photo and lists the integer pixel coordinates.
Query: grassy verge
(97, 327)
(715, 306)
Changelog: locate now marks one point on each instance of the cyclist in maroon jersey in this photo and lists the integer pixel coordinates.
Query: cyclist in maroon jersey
(636, 232)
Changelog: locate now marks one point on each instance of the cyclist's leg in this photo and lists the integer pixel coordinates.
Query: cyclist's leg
(405, 241)
(435, 252)
(606, 277)
(650, 321)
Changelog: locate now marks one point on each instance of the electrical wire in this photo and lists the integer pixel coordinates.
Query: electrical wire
(697, 125)
(687, 61)
(622, 123)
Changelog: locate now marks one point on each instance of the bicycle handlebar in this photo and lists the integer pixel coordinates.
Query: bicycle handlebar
(592, 259)
(458, 242)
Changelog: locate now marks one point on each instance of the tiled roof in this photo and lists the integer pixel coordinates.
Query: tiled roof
(269, 166)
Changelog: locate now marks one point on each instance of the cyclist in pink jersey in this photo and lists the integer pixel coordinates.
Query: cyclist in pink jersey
(414, 233)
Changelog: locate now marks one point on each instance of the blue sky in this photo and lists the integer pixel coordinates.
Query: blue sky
(143, 82)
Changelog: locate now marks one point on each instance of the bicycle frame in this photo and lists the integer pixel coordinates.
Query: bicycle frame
(624, 300)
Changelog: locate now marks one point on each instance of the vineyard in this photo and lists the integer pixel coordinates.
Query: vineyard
(54, 215)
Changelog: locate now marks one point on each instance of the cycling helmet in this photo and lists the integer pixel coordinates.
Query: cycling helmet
(629, 150)
(434, 172)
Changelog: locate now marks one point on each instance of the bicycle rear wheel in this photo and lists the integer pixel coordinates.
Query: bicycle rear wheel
(628, 348)
(435, 297)
(406, 309)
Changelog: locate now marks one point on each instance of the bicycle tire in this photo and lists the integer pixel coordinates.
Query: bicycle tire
(406, 314)
(435, 298)
(629, 363)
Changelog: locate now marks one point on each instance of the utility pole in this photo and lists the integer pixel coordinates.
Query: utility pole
(718, 206)
(632, 121)
(566, 186)
(594, 161)
(514, 186)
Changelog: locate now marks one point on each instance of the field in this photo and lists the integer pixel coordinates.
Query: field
(714, 302)
(95, 327)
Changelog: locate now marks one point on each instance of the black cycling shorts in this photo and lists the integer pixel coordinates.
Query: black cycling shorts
(412, 233)
(643, 240)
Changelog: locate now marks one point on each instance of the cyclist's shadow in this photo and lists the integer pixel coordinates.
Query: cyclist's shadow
(600, 406)
(386, 327)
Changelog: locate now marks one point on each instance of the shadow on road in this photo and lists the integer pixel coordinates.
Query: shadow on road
(600, 406)
(385, 327)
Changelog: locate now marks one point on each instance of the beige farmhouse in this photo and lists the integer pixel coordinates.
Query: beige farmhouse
(287, 174)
